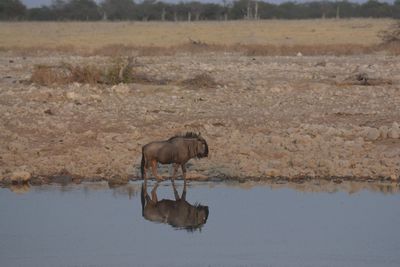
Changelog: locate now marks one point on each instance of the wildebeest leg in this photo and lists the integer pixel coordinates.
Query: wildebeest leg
(145, 174)
(183, 171)
(176, 167)
(184, 190)
(154, 170)
(154, 197)
(175, 191)
(145, 187)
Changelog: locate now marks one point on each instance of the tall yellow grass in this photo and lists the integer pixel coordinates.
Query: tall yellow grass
(89, 37)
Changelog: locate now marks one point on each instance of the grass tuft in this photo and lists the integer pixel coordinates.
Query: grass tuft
(203, 80)
(119, 71)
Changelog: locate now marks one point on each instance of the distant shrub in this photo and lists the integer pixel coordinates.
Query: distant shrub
(203, 80)
(119, 71)
(391, 35)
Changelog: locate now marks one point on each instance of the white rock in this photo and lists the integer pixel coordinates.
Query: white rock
(394, 177)
(371, 133)
(73, 96)
(394, 133)
(383, 132)
(270, 172)
(392, 152)
(121, 89)
(20, 176)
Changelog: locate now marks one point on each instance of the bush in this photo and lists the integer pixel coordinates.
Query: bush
(392, 35)
(119, 71)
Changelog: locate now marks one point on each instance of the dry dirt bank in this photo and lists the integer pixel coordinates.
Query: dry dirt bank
(290, 117)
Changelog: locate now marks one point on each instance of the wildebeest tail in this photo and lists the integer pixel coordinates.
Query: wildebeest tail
(142, 165)
(142, 198)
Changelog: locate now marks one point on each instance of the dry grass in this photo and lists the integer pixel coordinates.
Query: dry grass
(269, 37)
(119, 71)
(391, 34)
(119, 50)
(203, 80)
(248, 50)
(49, 75)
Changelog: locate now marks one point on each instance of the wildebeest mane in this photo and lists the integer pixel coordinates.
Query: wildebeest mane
(186, 135)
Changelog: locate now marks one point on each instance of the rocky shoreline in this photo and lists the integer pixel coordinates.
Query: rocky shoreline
(290, 118)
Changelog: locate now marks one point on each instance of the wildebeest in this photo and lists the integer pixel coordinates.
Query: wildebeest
(178, 213)
(177, 150)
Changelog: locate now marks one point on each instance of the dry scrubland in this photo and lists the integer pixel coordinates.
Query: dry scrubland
(95, 38)
(64, 116)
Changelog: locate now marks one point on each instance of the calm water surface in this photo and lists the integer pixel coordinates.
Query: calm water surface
(256, 225)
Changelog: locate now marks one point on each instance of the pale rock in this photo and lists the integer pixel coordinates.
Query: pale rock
(371, 134)
(392, 152)
(15, 146)
(359, 142)
(291, 130)
(119, 138)
(196, 175)
(275, 90)
(330, 131)
(394, 133)
(73, 96)
(210, 129)
(235, 134)
(149, 118)
(20, 176)
(90, 134)
(120, 89)
(274, 139)
(270, 172)
(135, 134)
(384, 130)
(95, 97)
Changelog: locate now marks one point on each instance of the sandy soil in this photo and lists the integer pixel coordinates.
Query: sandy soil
(291, 117)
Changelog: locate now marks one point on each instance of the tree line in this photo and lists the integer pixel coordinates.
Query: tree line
(153, 10)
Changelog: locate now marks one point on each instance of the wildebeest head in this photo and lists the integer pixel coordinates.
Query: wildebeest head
(196, 144)
(195, 219)
(202, 147)
(202, 214)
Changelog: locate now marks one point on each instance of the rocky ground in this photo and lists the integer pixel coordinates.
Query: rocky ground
(263, 117)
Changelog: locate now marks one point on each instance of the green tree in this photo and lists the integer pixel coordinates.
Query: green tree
(289, 10)
(213, 12)
(374, 8)
(81, 10)
(118, 9)
(41, 13)
(147, 11)
(348, 9)
(238, 9)
(267, 10)
(12, 10)
(396, 9)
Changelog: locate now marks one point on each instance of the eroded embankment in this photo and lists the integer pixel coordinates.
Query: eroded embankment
(268, 117)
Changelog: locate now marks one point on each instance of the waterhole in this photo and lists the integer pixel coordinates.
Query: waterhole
(245, 224)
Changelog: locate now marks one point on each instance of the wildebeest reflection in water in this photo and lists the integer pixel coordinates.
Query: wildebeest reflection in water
(178, 213)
